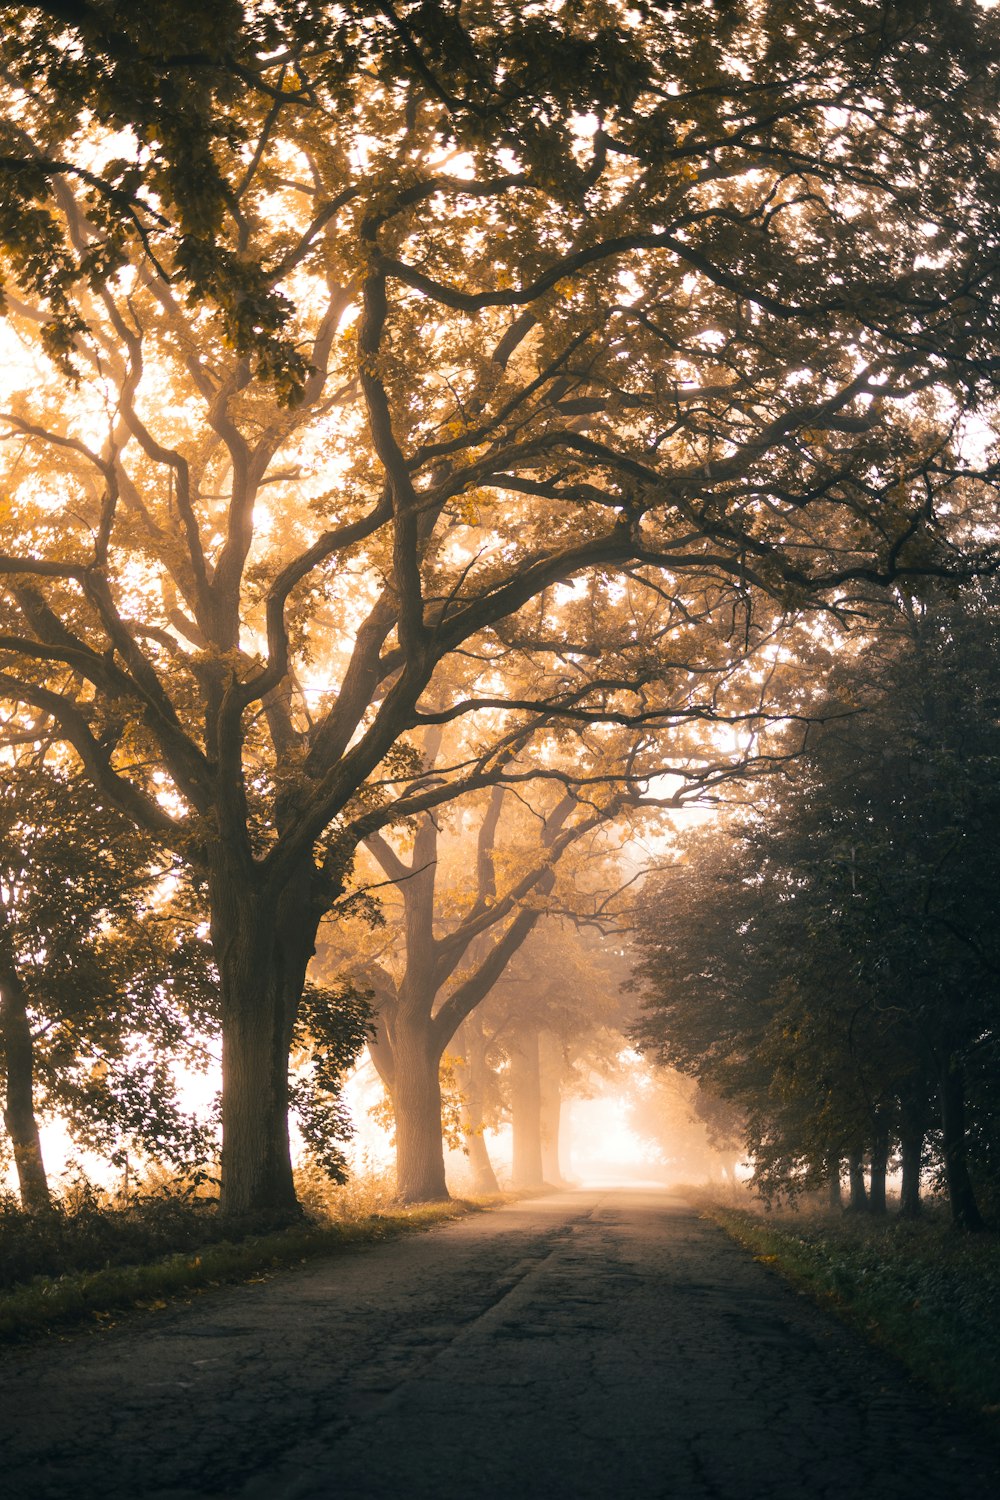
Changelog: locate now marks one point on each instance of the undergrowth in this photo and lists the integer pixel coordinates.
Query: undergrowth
(921, 1289)
(94, 1257)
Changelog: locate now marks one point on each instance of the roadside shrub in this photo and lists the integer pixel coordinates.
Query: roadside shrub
(84, 1233)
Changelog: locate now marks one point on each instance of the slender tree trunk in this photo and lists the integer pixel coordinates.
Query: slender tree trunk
(911, 1147)
(262, 948)
(484, 1178)
(834, 1196)
(473, 1047)
(879, 1166)
(550, 1058)
(964, 1209)
(858, 1201)
(525, 1098)
(914, 1107)
(19, 1109)
(416, 1102)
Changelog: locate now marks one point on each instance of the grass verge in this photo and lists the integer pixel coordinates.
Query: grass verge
(46, 1303)
(924, 1292)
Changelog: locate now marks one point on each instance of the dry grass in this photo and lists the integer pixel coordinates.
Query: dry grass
(94, 1258)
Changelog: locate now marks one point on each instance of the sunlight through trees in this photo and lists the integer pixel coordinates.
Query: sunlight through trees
(419, 413)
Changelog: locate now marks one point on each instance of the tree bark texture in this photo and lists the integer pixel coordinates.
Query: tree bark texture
(473, 1080)
(525, 1100)
(262, 949)
(19, 1108)
(961, 1194)
(416, 1102)
(911, 1149)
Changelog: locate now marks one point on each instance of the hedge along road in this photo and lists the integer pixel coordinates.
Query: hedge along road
(588, 1344)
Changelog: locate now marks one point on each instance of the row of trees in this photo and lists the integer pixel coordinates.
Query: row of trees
(523, 372)
(109, 993)
(478, 961)
(829, 958)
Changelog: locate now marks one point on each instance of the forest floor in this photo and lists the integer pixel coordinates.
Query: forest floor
(590, 1344)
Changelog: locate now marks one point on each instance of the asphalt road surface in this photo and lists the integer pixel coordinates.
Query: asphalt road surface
(590, 1344)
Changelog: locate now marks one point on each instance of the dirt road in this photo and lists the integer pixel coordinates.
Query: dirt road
(591, 1344)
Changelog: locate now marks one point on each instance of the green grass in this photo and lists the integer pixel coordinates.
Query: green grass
(97, 1295)
(922, 1290)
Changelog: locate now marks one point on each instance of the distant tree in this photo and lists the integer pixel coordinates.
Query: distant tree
(479, 1101)
(555, 1020)
(696, 1134)
(750, 994)
(453, 943)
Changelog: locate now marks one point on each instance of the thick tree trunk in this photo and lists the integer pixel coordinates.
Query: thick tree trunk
(19, 1109)
(262, 949)
(858, 1201)
(473, 1046)
(550, 1058)
(964, 1209)
(416, 1102)
(834, 1196)
(525, 1099)
(879, 1166)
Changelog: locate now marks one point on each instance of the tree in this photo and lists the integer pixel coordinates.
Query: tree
(750, 991)
(555, 1020)
(850, 981)
(103, 979)
(479, 1101)
(923, 936)
(638, 302)
(452, 947)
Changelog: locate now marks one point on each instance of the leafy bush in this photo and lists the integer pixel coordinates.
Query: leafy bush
(84, 1234)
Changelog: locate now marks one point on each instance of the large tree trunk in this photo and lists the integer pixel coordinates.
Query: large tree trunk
(879, 1166)
(834, 1196)
(416, 1102)
(964, 1209)
(262, 949)
(473, 1075)
(550, 1057)
(19, 1109)
(525, 1099)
